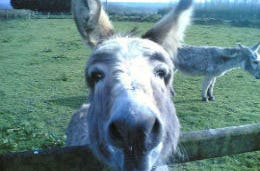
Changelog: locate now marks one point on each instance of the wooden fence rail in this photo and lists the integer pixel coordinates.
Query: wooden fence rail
(195, 145)
(38, 5)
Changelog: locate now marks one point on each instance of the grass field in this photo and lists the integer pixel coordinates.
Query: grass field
(42, 84)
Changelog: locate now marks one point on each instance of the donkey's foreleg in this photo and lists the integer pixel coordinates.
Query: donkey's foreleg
(211, 97)
(205, 87)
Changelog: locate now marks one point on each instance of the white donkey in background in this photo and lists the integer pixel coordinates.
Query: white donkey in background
(213, 62)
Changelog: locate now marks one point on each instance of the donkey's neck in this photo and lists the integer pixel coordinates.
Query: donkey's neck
(236, 61)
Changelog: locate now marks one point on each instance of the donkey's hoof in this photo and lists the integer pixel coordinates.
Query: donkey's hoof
(212, 98)
(204, 99)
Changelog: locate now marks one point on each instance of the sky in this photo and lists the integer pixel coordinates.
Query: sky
(138, 0)
(5, 4)
(148, 1)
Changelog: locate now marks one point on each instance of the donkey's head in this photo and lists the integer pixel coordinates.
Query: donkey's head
(252, 59)
(131, 119)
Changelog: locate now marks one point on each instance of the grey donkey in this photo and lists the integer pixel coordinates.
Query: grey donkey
(212, 62)
(130, 123)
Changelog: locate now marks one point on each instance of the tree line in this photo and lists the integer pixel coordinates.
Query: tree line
(238, 13)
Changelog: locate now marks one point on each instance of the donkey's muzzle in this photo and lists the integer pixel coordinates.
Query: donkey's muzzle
(135, 129)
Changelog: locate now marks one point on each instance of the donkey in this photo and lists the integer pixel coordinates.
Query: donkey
(213, 62)
(130, 122)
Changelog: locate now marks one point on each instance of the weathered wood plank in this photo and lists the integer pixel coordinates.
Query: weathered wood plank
(42, 5)
(57, 159)
(195, 145)
(198, 145)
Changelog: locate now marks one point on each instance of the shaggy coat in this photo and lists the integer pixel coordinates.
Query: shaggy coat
(212, 62)
(130, 123)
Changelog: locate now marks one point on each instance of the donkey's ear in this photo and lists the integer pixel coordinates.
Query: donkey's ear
(92, 21)
(256, 48)
(241, 46)
(169, 31)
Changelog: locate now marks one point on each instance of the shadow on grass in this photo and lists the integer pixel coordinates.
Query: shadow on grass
(188, 101)
(73, 102)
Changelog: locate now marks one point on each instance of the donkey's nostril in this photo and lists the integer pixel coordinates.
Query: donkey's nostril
(115, 132)
(156, 129)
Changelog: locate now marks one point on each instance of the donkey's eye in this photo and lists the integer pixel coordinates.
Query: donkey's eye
(161, 73)
(96, 76)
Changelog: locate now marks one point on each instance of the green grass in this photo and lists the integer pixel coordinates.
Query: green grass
(42, 84)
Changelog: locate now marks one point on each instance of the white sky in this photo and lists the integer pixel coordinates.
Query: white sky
(137, 0)
(147, 1)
